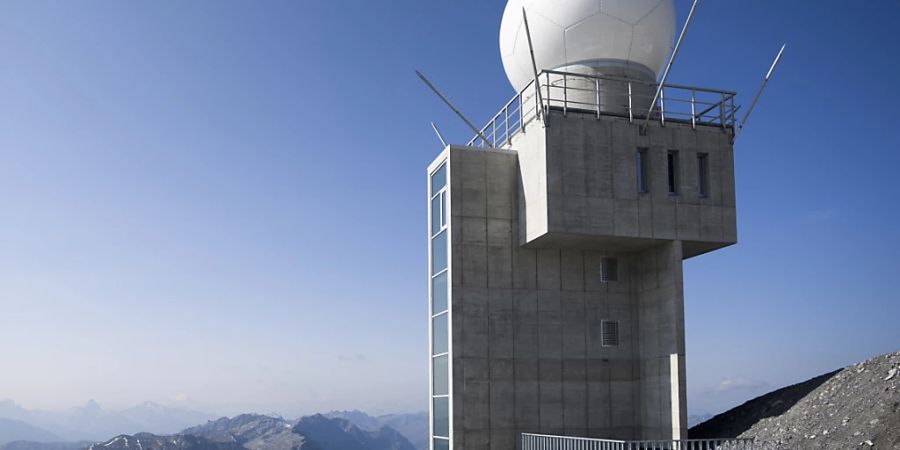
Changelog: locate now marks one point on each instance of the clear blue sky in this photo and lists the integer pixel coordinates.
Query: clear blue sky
(221, 204)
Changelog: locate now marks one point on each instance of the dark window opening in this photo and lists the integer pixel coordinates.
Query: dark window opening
(672, 162)
(609, 270)
(641, 166)
(703, 174)
(609, 333)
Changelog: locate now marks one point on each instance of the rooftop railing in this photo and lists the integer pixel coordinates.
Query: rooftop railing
(546, 442)
(607, 96)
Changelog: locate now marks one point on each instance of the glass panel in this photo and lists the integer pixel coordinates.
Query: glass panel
(443, 208)
(441, 444)
(436, 215)
(438, 180)
(442, 417)
(441, 373)
(439, 294)
(440, 334)
(439, 253)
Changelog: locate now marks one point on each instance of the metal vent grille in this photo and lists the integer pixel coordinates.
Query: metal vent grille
(609, 333)
(609, 270)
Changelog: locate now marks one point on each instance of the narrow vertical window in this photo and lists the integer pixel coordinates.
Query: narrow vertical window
(609, 270)
(441, 424)
(609, 333)
(672, 164)
(703, 174)
(641, 170)
(441, 372)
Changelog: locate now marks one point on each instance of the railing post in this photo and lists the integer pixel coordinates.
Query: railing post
(662, 106)
(722, 111)
(693, 109)
(597, 86)
(548, 92)
(522, 114)
(630, 105)
(506, 113)
(565, 95)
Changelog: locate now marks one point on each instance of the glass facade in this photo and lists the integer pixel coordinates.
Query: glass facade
(439, 308)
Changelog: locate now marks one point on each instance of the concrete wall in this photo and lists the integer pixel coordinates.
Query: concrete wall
(526, 323)
(529, 230)
(580, 187)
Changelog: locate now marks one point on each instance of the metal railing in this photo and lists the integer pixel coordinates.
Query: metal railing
(546, 442)
(607, 96)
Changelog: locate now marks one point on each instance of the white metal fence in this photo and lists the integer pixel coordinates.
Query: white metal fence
(546, 442)
(610, 96)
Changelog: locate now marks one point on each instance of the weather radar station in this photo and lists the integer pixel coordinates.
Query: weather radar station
(557, 235)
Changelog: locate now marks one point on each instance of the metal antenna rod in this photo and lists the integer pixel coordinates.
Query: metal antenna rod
(461, 116)
(671, 61)
(537, 83)
(760, 92)
(439, 136)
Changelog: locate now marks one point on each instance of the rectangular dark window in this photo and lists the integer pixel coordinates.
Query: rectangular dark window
(609, 332)
(641, 170)
(609, 270)
(441, 372)
(441, 444)
(703, 174)
(441, 422)
(672, 164)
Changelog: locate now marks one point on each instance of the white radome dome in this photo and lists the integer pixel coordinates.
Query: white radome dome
(587, 35)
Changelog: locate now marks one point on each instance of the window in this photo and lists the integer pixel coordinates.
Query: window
(441, 372)
(439, 293)
(441, 416)
(441, 335)
(703, 174)
(439, 253)
(609, 270)
(438, 180)
(641, 170)
(441, 444)
(672, 163)
(609, 333)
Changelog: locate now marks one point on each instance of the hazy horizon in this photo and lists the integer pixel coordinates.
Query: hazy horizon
(223, 205)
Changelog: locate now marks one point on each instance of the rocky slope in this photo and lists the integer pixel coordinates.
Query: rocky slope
(253, 432)
(412, 426)
(340, 434)
(856, 407)
(146, 441)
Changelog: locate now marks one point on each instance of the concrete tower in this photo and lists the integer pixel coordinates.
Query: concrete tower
(557, 235)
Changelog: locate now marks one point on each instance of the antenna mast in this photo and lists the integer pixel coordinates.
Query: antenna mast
(671, 62)
(537, 82)
(439, 136)
(450, 105)
(760, 92)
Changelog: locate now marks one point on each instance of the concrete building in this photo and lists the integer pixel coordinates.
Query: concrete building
(556, 246)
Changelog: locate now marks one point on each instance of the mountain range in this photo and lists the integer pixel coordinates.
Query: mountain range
(93, 423)
(257, 432)
(153, 426)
